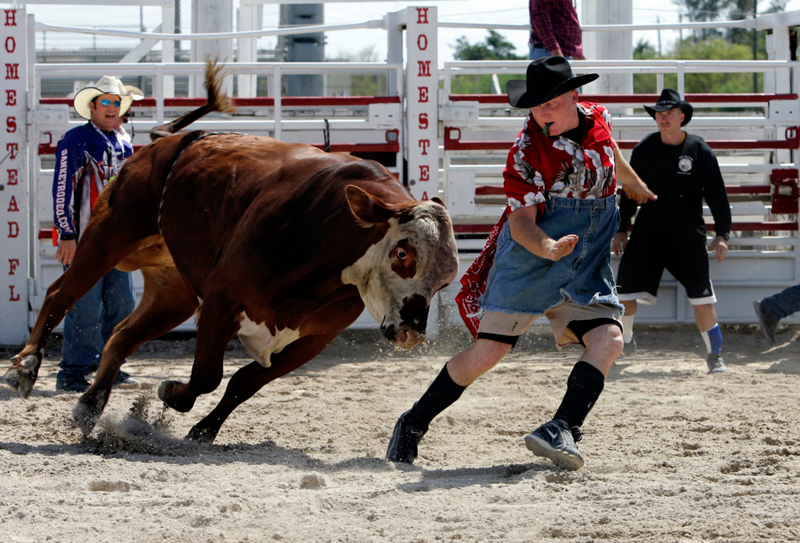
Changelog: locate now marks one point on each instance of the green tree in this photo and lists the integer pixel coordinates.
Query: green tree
(495, 47)
(702, 11)
(711, 49)
(645, 83)
(741, 9)
(718, 49)
(776, 6)
(735, 10)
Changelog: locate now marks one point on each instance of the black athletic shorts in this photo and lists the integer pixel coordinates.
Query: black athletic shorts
(644, 261)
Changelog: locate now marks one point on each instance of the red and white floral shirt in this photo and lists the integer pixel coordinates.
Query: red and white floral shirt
(539, 166)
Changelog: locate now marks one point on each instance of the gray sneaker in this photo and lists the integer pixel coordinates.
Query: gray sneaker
(768, 325)
(629, 349)
(124, 380)
(554, 440)
(715, 364)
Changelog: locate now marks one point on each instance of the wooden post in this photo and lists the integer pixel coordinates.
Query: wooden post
(422, 102)
(14, 209)
(608, 45)
(211, 16)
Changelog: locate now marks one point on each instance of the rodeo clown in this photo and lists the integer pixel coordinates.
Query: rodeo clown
(548, 255)
(87, 158)
(670, 233)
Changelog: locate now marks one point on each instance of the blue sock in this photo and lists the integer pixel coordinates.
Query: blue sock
(713, 339)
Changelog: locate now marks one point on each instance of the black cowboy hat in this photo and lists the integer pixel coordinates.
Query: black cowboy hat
(546, 78)
(668, 100)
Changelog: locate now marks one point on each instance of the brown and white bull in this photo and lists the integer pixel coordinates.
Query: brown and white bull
(280, 243)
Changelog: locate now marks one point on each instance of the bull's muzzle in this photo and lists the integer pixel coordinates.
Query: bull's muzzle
(410, 331)
(403, 336)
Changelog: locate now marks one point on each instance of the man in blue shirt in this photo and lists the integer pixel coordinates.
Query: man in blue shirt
(87, 158)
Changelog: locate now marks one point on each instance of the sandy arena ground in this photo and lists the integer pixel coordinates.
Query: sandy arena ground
(673, 454)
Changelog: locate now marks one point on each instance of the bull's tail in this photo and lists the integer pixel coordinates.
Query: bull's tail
(216, 101)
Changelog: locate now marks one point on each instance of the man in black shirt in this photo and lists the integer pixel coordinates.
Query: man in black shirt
(670, 232)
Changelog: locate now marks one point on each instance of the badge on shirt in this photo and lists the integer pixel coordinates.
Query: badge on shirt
(685, 164)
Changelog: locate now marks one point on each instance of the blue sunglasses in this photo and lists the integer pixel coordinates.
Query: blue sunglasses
(107, 102)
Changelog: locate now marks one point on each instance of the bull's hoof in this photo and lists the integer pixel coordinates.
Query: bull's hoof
(168, 395)
(206, 436)
(87, 412)
(22, 375)
(13, 378)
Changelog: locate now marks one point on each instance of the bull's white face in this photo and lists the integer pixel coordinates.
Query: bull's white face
(398, 276)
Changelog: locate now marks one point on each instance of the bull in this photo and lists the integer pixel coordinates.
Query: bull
(279, 243)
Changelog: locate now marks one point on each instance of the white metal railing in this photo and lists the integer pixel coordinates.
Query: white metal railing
(659, 67)
(484, 117)
(274, 71)
(374, 24)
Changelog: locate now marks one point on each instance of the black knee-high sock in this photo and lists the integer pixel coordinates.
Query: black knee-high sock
(584, 386)
(442, 393)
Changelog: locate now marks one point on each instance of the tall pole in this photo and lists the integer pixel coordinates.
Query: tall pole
(658, 22)
(208, 17)
(304, 47)
(142, 30)
(177, 28)
(755, 45)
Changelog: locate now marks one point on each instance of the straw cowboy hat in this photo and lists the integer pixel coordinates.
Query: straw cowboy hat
(668, 100)
(546, 78)
(108, 84)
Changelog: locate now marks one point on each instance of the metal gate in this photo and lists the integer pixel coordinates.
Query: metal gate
(436, 142)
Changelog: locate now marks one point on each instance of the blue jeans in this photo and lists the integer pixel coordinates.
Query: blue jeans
(783, 304)
(90, 322)
(521, 282)
(536, 50)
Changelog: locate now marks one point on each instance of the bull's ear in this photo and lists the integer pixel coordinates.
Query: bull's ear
(438, 201)
(368, 209)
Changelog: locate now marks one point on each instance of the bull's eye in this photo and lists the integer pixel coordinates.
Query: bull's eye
(404, 259)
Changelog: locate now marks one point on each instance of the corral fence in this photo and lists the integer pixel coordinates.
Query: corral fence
(434, 141)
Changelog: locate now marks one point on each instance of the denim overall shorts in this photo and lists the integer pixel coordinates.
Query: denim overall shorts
(521, 282)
